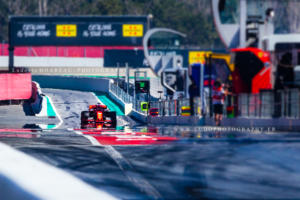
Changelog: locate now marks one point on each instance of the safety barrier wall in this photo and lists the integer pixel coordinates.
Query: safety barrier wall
(141, 117)
(121, 97)
(73, 83)
(257, 124)
(125, 97)
(15, 86)
(176, 120)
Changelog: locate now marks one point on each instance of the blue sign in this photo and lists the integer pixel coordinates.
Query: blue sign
(77, 31)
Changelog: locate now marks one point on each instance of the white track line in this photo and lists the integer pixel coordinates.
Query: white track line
(32, 179)
(97, 98)
(90, 138)
(53, 106)
(57, 113)
(135, 178)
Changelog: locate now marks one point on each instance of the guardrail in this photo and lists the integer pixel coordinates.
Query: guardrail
(169, 107)
(267, 104)
(125, 97)
(284, 103)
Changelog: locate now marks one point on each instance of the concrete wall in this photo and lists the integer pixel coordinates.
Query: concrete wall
(138, 116)
(167, 120)
(127, 107)
(177, 120)
(73, 83)
(272, 124)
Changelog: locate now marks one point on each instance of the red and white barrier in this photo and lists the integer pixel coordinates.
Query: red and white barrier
(15, 86)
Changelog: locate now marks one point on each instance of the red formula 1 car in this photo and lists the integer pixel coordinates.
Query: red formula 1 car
(98, 116)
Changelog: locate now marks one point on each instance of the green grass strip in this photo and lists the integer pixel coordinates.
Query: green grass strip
(50, 110)
(109, 103)
(51, 126)
(50, 113)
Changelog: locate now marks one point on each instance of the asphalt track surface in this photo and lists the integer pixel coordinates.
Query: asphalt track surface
(181, 163)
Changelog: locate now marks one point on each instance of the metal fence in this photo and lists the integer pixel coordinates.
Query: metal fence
(170, 107)
(119, 92)
(267, 104)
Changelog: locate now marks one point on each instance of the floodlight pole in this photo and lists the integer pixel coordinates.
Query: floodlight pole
(127, 77)
(243, 19)
(202, 87)
(118, 74)
(10, 50)
(11, 59)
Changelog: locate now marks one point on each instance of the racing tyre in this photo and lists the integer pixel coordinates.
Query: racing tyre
(84, 126)
(113, 118)
(84, 116)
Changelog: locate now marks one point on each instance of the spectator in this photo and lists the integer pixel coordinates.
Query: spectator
(285, 72)
(193, 92)
(218, 97)
(284, 80)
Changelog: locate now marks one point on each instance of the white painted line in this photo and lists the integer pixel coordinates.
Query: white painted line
(90, 138)
(97, 98)
(41, 180)
(136, 179)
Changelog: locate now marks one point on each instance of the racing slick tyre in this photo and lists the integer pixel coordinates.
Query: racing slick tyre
(113, 118)
(84, 116)
(84, 126)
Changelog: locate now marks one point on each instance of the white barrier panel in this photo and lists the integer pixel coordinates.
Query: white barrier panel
(30, 61)
(127, 107)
